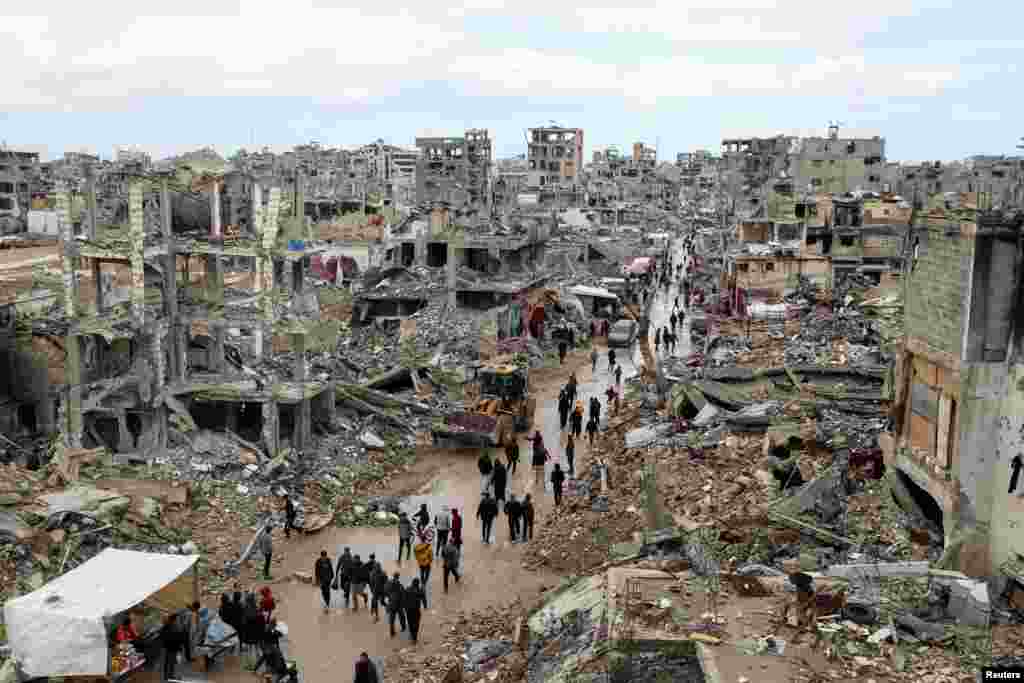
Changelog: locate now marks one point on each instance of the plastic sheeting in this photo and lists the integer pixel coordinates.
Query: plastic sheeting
(59, 630)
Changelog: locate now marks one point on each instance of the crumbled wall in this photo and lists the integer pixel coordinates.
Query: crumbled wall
(938, 286)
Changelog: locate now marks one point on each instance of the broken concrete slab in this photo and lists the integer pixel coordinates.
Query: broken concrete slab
(481, 653)
(645, 435)
(13, 528)
(879, 570)
(706, 415)
(371, 440)
(170, 492)
(100, 503)
(922, 630)
(969, 603)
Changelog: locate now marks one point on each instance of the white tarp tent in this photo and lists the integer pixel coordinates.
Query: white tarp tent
(59, 630)
(593, 292)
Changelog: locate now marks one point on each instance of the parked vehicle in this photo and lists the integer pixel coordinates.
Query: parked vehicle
(499, 405)
(623, 333)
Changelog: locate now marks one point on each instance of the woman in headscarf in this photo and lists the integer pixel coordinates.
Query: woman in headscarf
(267, 604)
(540, 456)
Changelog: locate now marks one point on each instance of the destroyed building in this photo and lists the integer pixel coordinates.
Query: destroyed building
(957, 417)
(456, 170)
(555, 157)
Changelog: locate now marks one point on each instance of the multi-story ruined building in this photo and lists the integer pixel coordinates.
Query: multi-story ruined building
(645, 159)
(831, 165)
(959, 409)
(185, 341)
(19, 172)
(999, 178)
(555, 157)
(456, 170)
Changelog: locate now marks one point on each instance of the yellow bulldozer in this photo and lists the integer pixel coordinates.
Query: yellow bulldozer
(497, 406)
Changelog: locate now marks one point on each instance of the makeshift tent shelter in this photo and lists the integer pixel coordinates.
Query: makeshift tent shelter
(59, 630)
(639, 266)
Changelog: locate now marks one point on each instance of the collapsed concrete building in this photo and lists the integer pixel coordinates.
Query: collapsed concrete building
(456, 170)
(185, 343)
(555, 157)
(957, 417)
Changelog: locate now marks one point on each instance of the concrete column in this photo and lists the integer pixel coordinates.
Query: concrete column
(331, 401)
(90, 201)
(73, 379)
(215, 224)
(452, 270)
(271, 422)
(46, 417)
(215, 289)
(303, 415)
(232, 417)
(97, 278)
(421, 248)
(176, 351)
(287, 277)
(125, 443)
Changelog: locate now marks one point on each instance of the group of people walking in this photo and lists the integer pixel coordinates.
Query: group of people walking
(253, 619)
(494, 479)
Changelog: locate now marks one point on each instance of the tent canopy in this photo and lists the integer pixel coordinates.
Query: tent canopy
(59, 630)
(595, 292)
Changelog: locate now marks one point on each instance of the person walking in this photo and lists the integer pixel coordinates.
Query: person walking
(570, 454)
(577, 419)
(360, 577)
(595, 409)
(443, 523)
(613, 398)
(289, 516)
(557, 479)
(500, 479)
(344, 572)
(366, 670)
(267, 548)
(611, 359)
(486, 512)
(572, 388)
(414, 598)
(563, 349)
(513, 510)
(540, 456)
(456, 528)
(323, 574)
(450, 564)
(379, 587)
(592, 431)
(486, 468)
(174, 641)
(618, 375)
(422, 518)
(672, 320)
(563, 407)
(657, 339)
(512, 454)
(396, 603)
(528, 516)
(424, 557)
(404, 535)
(593, 360)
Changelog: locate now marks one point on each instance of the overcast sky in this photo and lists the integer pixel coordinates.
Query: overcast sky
(937, 82)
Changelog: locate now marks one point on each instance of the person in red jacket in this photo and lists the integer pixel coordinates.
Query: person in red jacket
(267, 603)
(456, 536)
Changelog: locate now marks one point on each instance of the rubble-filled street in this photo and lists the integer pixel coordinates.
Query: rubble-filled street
(633, 427)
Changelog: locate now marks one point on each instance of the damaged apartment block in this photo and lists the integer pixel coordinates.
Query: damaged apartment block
(959, 414)
(455, 170)
(212, 330)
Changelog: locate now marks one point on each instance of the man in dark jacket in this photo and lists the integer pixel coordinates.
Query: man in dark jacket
(514, 510)
(379, 587)
(450, 556)
(486, 512)
(512, 454)
(174, 640)
(528, 513)
(366, 670)
(414, 598)
(592, 431)
(360, 578)
(570, 454)
(422, 517)
(500, 479)
(404, 535)
(344, 572)
(595, 409)
(563, 407)
(486, 468)
(396, 603)
(557, 479)
(289, 516)
(323, 574)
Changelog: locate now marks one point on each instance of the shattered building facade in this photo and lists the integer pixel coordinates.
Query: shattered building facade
(555, 157)
(958, 413)
(456, 170)
(190, 346)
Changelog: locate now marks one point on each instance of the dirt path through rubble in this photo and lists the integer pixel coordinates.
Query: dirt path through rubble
(326, 645)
